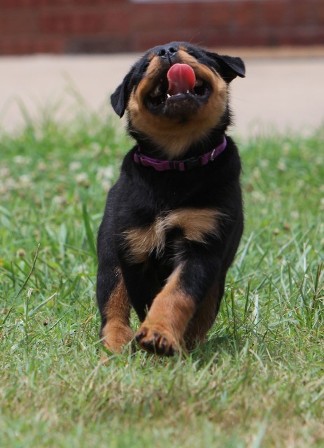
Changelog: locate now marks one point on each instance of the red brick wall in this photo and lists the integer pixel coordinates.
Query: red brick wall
(101, 26)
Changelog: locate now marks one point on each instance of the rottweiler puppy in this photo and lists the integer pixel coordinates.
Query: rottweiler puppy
(174, 219)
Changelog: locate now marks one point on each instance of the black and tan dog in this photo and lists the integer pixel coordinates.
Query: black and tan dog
(174, 219)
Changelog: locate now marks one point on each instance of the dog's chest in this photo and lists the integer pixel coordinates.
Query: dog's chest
(192, 224)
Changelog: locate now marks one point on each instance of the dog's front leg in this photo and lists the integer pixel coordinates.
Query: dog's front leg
(115, 312)
(183, 296)
(165, 324)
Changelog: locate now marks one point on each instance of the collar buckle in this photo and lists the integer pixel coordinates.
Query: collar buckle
(213, 155)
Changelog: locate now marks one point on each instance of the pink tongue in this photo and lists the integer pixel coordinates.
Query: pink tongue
(181, 78)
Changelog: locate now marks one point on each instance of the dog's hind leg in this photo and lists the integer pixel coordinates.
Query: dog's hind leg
(204, 317)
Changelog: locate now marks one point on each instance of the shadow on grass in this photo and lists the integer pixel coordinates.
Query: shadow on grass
(210, 351)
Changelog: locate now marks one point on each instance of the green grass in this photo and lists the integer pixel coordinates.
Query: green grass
(258, 382)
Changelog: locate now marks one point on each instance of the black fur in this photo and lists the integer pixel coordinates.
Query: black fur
(141, 194)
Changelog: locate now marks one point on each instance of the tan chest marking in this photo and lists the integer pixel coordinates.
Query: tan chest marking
(195, 224)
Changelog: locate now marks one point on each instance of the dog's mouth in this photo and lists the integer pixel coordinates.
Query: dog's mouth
(178, 92)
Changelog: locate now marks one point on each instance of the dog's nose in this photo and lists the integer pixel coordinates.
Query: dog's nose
(167, 52)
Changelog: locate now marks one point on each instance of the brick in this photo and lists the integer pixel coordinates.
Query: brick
(308, 36)
(14, 4)
(117, 19)
(246, 39)
(97, 45)
(71, 23)
(194, 16)
(158, 17)
(21, 46)
(276, 13)
(301, 13)
(202, 17)
(18, 4)
(245, 14)
(144, 41)
(121, 25)
(219, 14)
(320, 12)
(308, 13)
(15, 24)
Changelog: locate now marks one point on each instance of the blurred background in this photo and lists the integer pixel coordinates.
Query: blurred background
(110, 26)
(54, 50)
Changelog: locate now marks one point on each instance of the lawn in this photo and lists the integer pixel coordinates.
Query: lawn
(258, 382)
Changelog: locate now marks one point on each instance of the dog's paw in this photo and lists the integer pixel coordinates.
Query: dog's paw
(156, 340)
(116, 336)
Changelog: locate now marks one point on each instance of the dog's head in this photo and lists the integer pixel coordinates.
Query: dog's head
(176, 95)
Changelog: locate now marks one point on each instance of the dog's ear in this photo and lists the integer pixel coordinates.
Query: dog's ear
(119, 99)
(229, 67)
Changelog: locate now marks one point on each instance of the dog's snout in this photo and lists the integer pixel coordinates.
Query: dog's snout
(167, 52)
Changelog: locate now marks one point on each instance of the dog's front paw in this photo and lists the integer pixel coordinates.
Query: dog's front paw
(115, 336)
(157, 340)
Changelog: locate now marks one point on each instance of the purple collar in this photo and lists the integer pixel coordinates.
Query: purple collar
(180, 165)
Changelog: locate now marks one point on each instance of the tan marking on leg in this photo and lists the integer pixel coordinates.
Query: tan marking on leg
(117, 332)
(170, 135)
(203, 319)
(196, 224)
(164, 327)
